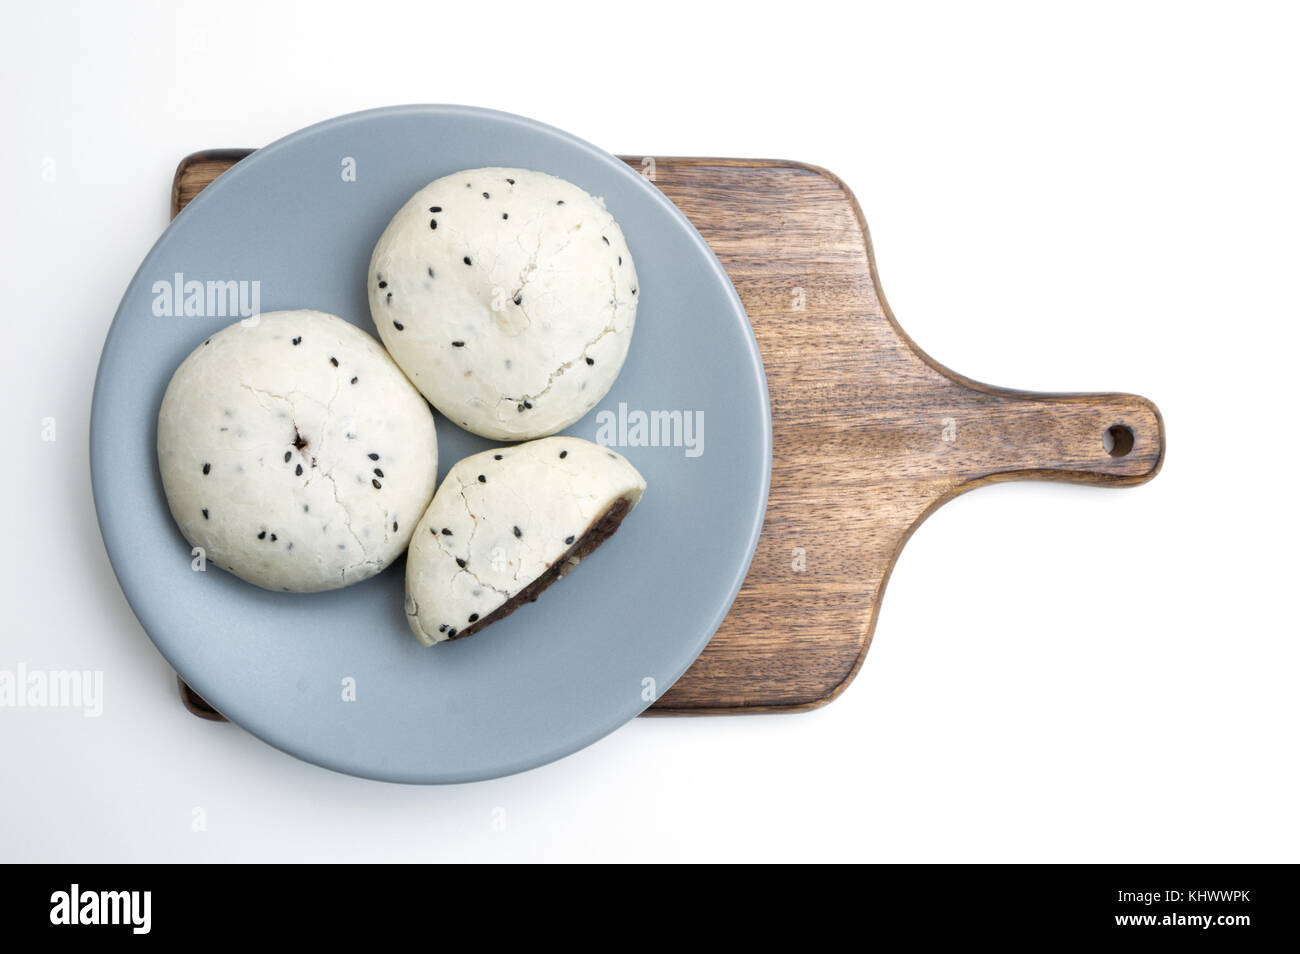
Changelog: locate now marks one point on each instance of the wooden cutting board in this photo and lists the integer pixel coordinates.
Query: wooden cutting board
(869, 434)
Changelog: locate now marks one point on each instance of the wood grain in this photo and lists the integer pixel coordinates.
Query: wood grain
(869, 434)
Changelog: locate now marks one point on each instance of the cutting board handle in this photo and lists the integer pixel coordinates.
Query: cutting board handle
(1105, 439)
(988, 433)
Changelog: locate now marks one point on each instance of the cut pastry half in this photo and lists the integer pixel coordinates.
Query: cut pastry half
(505, 525)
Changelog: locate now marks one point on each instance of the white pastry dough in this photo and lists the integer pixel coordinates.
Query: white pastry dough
(508, 297)
(295, 452)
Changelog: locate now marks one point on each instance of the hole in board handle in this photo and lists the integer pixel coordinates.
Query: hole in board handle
(1118, 440)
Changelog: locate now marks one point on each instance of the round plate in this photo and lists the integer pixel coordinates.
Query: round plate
(300, 217)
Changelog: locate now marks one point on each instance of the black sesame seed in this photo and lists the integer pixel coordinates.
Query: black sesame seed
(383, 284)
(208, 342)
(518, 532)
(605, 240)
(451, 633)
(497, 456)
(633, 291)
(377, 484)
(373, 456)
(446, 532)
(287, 455)
(511, 181)
(388, 298)
(473, 617)
(460, 563)
(297, 341)
(620, 259)
(458, 344)
(378, 472)
(399, 326)
(305, 508)
(354, 380)
(505, 215)
(334, 361)
(273, 538)
(433, 223)
(442, 628)
(206, 468)
(435, 208)
(563, 454)
(519, 299)
(430, 271)
(560, 202)
(262, 535)
(486, 196)
(521, 409)
(528, 405)
(394, 526)
(467, 261)
(568, 540)
(591, 361)
(205, 513)
(298, 470)
(482, 479)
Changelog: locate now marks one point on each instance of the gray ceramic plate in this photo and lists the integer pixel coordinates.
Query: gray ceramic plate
(558, 674)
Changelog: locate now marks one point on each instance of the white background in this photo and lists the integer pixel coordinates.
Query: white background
(1082, 196)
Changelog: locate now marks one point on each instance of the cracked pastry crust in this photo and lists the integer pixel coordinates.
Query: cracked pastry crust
(508, 297)
(507, 523)
(295, 452)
